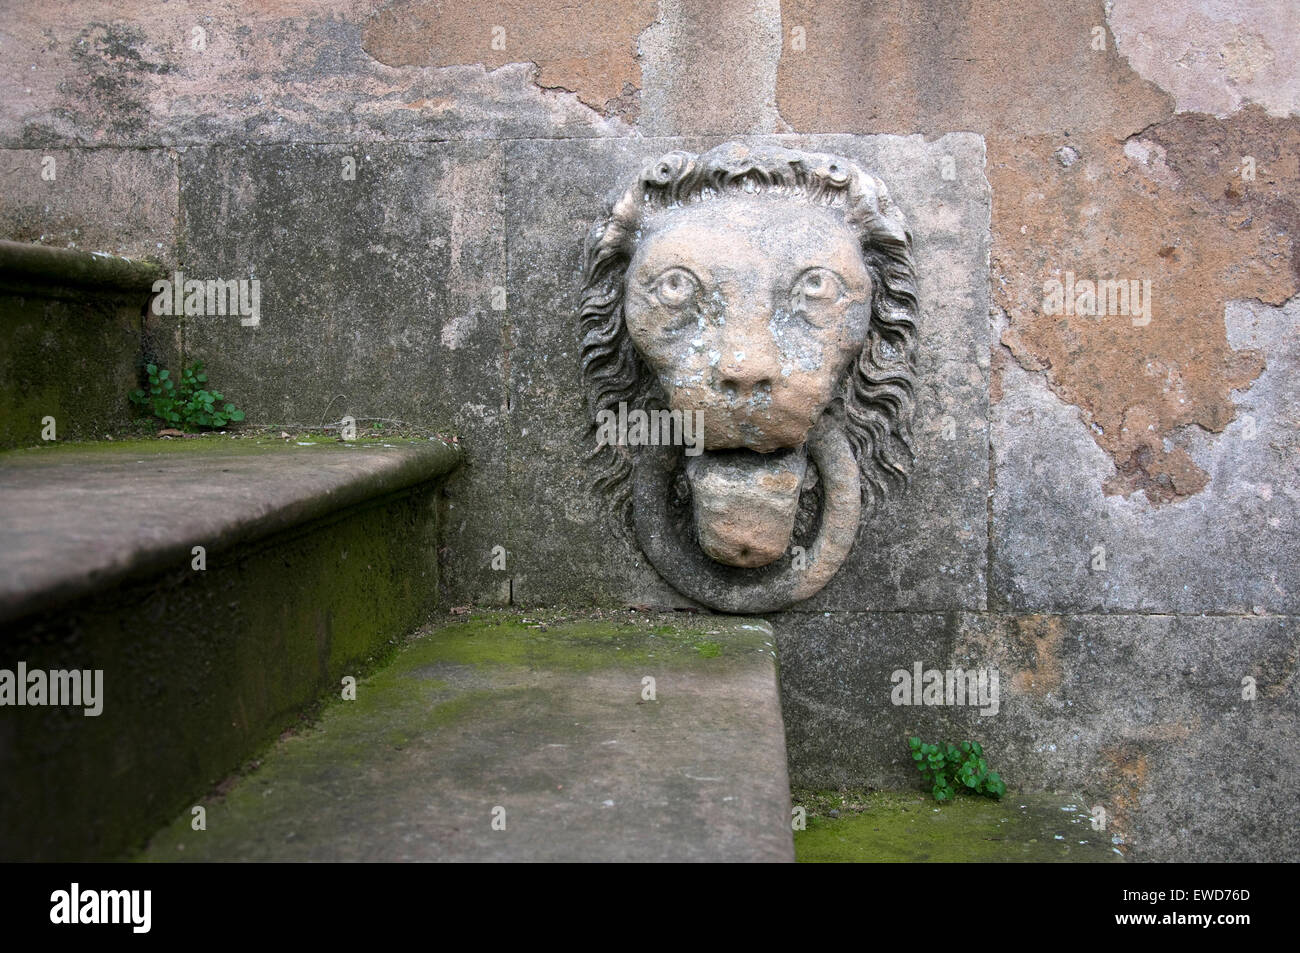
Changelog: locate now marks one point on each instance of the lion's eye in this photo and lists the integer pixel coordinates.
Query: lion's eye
(816, 284)
(675, 288)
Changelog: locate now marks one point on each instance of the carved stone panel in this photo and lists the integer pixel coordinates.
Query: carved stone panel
(749, 327)
(921, 546)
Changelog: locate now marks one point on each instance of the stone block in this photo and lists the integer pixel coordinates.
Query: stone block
(377, 267)
(120, 201)
(924, 549)
(158, 74)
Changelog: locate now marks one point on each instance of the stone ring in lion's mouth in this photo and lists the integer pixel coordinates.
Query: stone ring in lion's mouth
(675, 552)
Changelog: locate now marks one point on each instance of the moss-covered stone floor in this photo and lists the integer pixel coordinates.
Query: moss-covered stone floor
(882, 826)
(527, 737)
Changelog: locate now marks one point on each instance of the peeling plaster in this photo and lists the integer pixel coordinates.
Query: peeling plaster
(589, 51)
(1214, 56)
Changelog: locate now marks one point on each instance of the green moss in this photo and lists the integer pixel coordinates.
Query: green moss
(883, 826)
(575, 644)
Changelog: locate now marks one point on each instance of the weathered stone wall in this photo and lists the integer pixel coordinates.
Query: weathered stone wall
(1109, 514)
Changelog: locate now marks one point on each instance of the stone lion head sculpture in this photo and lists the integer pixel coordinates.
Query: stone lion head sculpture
(760, 304)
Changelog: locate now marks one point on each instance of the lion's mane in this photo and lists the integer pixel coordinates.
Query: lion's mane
(877, 394)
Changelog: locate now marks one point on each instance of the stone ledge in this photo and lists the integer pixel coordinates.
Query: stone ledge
(79, 519)
(26, 263)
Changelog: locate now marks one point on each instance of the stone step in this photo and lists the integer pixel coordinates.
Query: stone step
(316, 559)
(545, 723)
(82, 518)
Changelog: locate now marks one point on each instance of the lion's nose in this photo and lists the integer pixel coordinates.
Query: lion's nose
(749, 366)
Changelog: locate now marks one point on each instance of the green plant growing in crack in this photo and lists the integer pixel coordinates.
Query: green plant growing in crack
(948, 768)
(188, 403)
